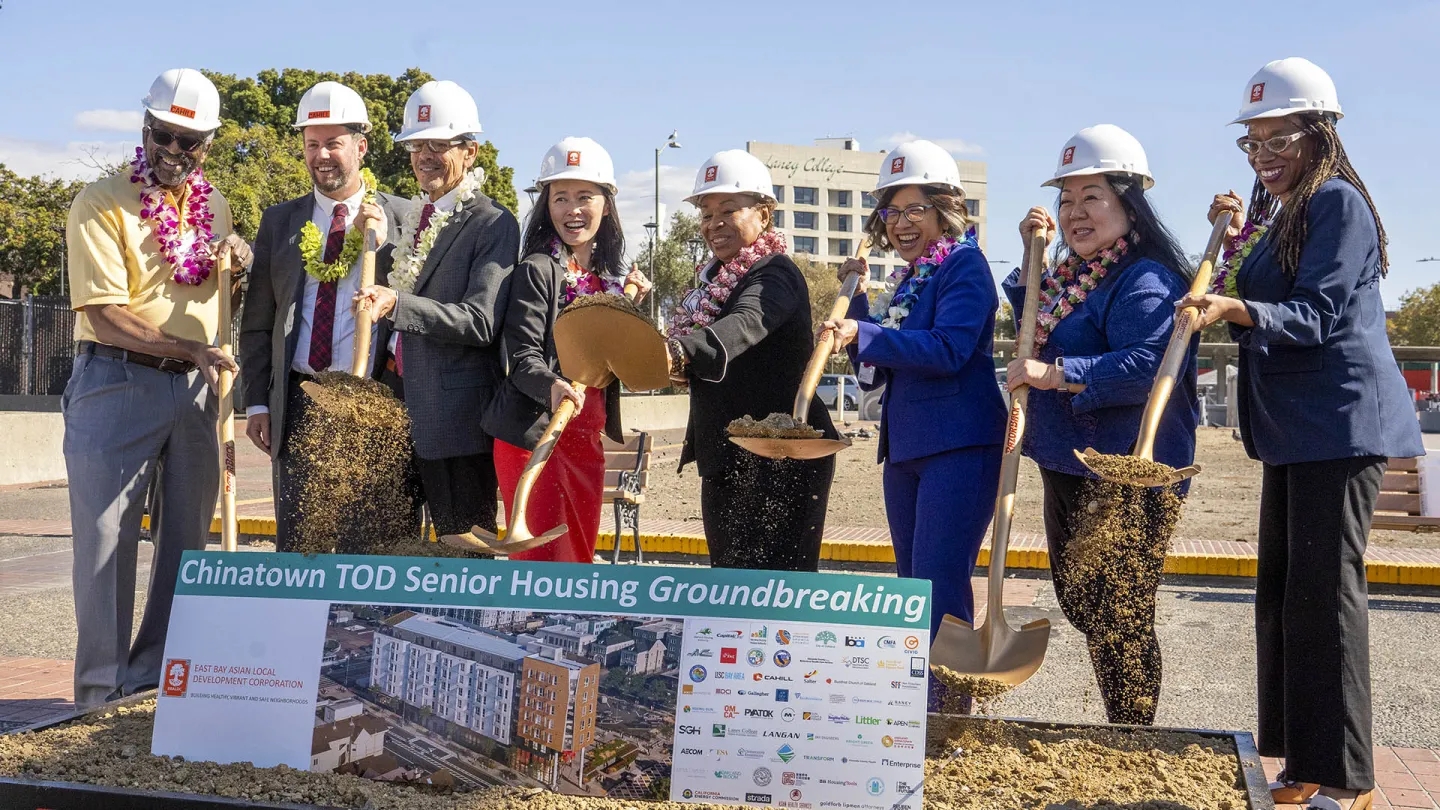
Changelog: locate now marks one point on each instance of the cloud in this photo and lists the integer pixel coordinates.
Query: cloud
(76, 160)
(954, 146)
(110, 120)
(636, 201)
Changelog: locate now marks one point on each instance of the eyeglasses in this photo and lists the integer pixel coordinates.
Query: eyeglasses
(188, 143)
(914, 213)
(1274, 145)
(433, 147)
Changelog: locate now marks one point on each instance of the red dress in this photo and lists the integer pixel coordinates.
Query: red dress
(569, 489)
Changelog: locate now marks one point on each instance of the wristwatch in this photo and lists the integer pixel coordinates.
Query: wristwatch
(678, 360)
(1061, 385)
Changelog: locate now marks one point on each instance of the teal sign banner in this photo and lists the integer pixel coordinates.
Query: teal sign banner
(641, 590)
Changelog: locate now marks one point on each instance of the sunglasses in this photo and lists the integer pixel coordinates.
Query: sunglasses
(188, 143)
(1274, 146)
(914, 213)
(433, 147)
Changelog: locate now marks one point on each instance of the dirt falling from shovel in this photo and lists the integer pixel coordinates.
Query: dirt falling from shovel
(985, 692)
(357, 491)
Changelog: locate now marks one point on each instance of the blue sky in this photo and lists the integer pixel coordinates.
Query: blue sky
(1002, 82)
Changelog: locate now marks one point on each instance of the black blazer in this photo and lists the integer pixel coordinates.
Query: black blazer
(750, 361)
(521, 409)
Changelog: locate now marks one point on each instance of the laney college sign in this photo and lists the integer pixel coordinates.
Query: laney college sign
(823, 167)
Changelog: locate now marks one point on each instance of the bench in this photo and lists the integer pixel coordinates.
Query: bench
(627, 476)
(1398, 507)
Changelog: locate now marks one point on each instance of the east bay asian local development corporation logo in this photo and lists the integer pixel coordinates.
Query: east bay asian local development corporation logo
(177, 677)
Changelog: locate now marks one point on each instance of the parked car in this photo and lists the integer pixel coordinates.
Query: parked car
(829, 389)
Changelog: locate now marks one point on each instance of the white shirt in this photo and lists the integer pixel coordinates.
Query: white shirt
(342, 336)
(444, 205)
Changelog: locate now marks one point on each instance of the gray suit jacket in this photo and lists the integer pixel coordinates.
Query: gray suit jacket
(271, 316)
(450, 330)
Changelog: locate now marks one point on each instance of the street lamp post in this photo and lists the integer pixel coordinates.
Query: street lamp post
(670, 143)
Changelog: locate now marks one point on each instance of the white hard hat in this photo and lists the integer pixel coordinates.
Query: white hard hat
(730, 172)
(919, 163)
(578, 159)
(185, 98)
(1102, 149)
(331, 103)
(439, 111)
(1286, 86)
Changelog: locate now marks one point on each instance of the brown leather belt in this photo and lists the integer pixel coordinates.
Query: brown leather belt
(169, 365)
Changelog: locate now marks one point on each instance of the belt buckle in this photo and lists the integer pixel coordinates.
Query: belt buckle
(173, 365)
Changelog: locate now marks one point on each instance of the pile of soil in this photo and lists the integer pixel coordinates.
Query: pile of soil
(985, 692)
(358, 490)
(1003, 765)
(774, 426)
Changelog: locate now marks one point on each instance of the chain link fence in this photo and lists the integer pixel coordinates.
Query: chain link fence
(37, 344)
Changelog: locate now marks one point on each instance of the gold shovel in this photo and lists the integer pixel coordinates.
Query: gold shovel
(229, 522)
(595, 345)
(1187, 320)
(807, 449)
(995, 650)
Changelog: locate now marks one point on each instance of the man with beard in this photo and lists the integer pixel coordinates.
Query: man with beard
(298, 320)
(444, 307)
(141, 405)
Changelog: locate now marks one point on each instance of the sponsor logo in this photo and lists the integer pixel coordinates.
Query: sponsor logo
(693, 752)
(917, 666)
(706, 632)
(765, 713)
(782, 636)
(783, 735)
(177, 677)
(837, 698)
(688, 729)
(860, 741)
(897, 165)
(697, 673)
(817, 660)
(720, 691)
(888, 663)
(857, 761)
(730, 634)
(1257, 92)
(809, 715)
(855, 641)
(699, 710)
(1069, 156)
(817, 758)
(825, 737)
(896, 741)
(781, 658)
(572, 158)
(912, 642)
(717, 730)
(849, 682)
(782, 678)
(895, 763)
(905, 686)
(705, 794)
(763, 798)
(729, 676)
(785, 752)
(810, 676)
(750, 753)
(782, 695)
(759, 636)
(874, 786)
(761, 776)
(905, 787)
(727, 774)
(710, 174)
(753, 693)
(903, 704)
(810, 697)
(727, 655)
(687, 689)
(788, 715)
(866, 720)
(743, 732)
(838, 719)
(902, 723)
(755, 657)
(839, 782)
(825, 638)
(857, 700)
(886, 643)
(315, 114)
(423, 113)
(700, 653)
(856, 662)
(182, 111)
(729, 712)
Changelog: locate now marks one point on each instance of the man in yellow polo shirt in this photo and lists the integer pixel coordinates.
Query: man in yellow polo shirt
(141, 406)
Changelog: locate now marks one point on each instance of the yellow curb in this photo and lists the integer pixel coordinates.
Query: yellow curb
(1205, 565)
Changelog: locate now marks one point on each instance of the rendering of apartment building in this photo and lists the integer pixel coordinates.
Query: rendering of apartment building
(559, 700)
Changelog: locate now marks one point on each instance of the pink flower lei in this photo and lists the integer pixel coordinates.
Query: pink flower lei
(578, 280)
(1067, 288)
(722, 282)
(188, 266)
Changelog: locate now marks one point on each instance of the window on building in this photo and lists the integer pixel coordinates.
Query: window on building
(839, 247)
(839, 198)
(807, 196)
(876, 253)
(779, 219)
(807, 244)
(840, 222)
(972, 207)
(877, 272)
(867, 200)
(779, 192)
(805, 220)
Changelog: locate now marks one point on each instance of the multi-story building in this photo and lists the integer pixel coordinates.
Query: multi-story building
(559, 699)
(824, 198)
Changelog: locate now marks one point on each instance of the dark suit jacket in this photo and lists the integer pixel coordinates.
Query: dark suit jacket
(749, 362)
(450, 327)
(521, 410)
(271, 315)
(1317, 378)
(940, 391)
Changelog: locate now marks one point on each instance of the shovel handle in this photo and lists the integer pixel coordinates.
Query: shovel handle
(364, 318)
(536, 465)
(815, 369)
(229, 522)
(1186, 323)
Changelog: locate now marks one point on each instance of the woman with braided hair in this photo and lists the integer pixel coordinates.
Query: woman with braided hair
(1321, 405)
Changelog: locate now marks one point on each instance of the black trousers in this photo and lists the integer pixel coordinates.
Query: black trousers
(1312, 621)
(767, 513)
(461, 492)
(1114, 608)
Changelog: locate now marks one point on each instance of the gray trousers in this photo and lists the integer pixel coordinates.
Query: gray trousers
(125, 426)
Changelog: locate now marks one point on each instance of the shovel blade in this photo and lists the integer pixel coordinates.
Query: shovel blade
(470, 541)
(993, 650)
(514, 544)
(803, 449)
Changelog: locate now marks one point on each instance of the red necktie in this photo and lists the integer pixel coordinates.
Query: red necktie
(425, 214)
(322, 327)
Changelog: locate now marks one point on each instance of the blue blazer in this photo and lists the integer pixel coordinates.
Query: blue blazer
(1113, 343)
(940, 390)
(1317, 378)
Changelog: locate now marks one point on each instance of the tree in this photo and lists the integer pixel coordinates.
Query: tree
(675, 260)
(32, 228)
(1005, 322)
(1418, 321)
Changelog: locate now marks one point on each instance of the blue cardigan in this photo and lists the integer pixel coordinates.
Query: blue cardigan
(1317, 378)
(940, 391)
(1112, 343)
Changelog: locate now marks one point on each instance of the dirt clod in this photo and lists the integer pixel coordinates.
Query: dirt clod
(774, 426)
(610, 300)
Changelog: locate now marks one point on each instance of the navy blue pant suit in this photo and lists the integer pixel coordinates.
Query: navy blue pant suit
(1322, 405)
(942, 422)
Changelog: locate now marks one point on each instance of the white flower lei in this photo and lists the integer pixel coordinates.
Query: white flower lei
(410, 255)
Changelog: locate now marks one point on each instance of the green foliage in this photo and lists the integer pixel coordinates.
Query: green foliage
(675, 260)
(1005, 322)
(1418, 321)
(32, 228)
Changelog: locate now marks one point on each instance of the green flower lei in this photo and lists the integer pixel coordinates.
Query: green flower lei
(312, 245)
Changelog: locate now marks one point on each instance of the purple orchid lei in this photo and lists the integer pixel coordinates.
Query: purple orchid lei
(190, 266)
